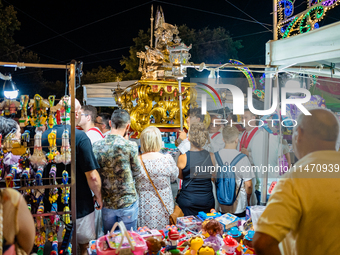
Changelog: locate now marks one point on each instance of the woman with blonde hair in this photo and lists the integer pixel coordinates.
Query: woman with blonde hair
(162, 170)
(194, 169)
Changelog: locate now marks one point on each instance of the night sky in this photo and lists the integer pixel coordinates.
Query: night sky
(100, 32)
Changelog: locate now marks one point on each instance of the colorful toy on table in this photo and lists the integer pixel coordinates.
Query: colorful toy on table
(236, 234)
(203, 232)
(215, 231)
(38, 158)
(155, 245)
(65, 150)
(145, 232)
(195, 243)
(190, 222)
(229, 245)
(248, 242)
(92, 247)
(206, 250)
(212, 215)
(172, 241)
(228, 221)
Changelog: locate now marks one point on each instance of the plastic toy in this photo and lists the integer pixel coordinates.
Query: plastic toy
(38, 158)
(190, 222)
(9, 107)
(145, 232)
(248, 239)
(173, 237)
(214, 229)
(195, 243)
(228, 221)
(65, 150)
(154, 245)
(230, 245)
(9, 180)
(206, 250)
(204, 233)
(212, 215)
(236, 234)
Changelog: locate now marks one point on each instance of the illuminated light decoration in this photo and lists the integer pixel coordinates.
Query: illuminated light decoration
(305, 22)
(246, 72)
(213, 90)
(259, 93)
(286, 7)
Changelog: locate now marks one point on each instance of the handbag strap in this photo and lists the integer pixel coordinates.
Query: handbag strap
(153, 185)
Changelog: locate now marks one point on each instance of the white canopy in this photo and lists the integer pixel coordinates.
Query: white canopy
(100, 94)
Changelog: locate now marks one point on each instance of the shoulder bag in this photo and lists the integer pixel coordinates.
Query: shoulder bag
(177, 210)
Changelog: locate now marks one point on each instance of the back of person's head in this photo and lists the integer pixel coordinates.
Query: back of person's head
(230, 134)
(105, 119)
(322, 125)
(119, 119)
(234, 118)
(90, 111)
(196, 112)
(198, 135)
(7, 126)
(151, 140)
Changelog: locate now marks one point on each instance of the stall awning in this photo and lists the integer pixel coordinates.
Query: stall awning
(100, 94)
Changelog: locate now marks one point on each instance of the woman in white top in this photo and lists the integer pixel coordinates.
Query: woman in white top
(162, 170)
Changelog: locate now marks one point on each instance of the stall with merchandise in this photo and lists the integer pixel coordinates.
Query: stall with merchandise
(42, 170)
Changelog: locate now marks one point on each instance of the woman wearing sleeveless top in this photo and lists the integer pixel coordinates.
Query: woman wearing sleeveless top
(197, 192)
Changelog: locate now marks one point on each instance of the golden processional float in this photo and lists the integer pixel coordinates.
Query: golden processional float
(160, 98)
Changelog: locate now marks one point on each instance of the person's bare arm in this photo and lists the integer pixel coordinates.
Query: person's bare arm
(288, 159)
(248, 186)
(265, 244)
(181, 163)
(95, 184)
(26, 234)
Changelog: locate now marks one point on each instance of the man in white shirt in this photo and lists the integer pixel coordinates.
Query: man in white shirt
(102, 122)
(243, 173)
(251, 142)
(88, 116)
(215, 133)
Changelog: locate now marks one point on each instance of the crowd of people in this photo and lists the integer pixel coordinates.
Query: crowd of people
(133, 185)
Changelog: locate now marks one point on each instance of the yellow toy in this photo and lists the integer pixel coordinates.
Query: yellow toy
(52, 140)
(38, 111)
(195, 243)
(51, 100)
(24, 99)
(206, 250)
(204, 232)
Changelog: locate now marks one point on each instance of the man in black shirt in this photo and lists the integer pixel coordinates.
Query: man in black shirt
(87, 179)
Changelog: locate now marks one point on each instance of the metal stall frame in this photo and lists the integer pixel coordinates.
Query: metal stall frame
(72, 81)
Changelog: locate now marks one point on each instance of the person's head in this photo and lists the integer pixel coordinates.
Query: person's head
(120, 120)
(230, 135)
(9, 126)
(248, 115)
(88, 116)
(194, 116)
(315, 132)
(102, 122)
(198, 135)
(151, 140)
(215, 127)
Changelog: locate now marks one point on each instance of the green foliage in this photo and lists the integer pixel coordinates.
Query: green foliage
(8, 25)
(101, 75)
(131, 63)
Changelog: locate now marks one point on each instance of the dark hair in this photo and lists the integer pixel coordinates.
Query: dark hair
(90, 110)
(7, 126)
(196, 112)
(105, 119)
(120, 118)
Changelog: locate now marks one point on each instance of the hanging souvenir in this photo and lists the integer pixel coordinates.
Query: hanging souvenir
(23, 121)
(65, 197)
(1, 157)
(38, 158)
(52, 140)
(38, 111)
(39, 176)
(51, 120)
(65, 150)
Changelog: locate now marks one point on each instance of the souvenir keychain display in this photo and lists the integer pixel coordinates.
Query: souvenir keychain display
(65, 150)
(52, 141)
(51, 119)
(38, 158)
